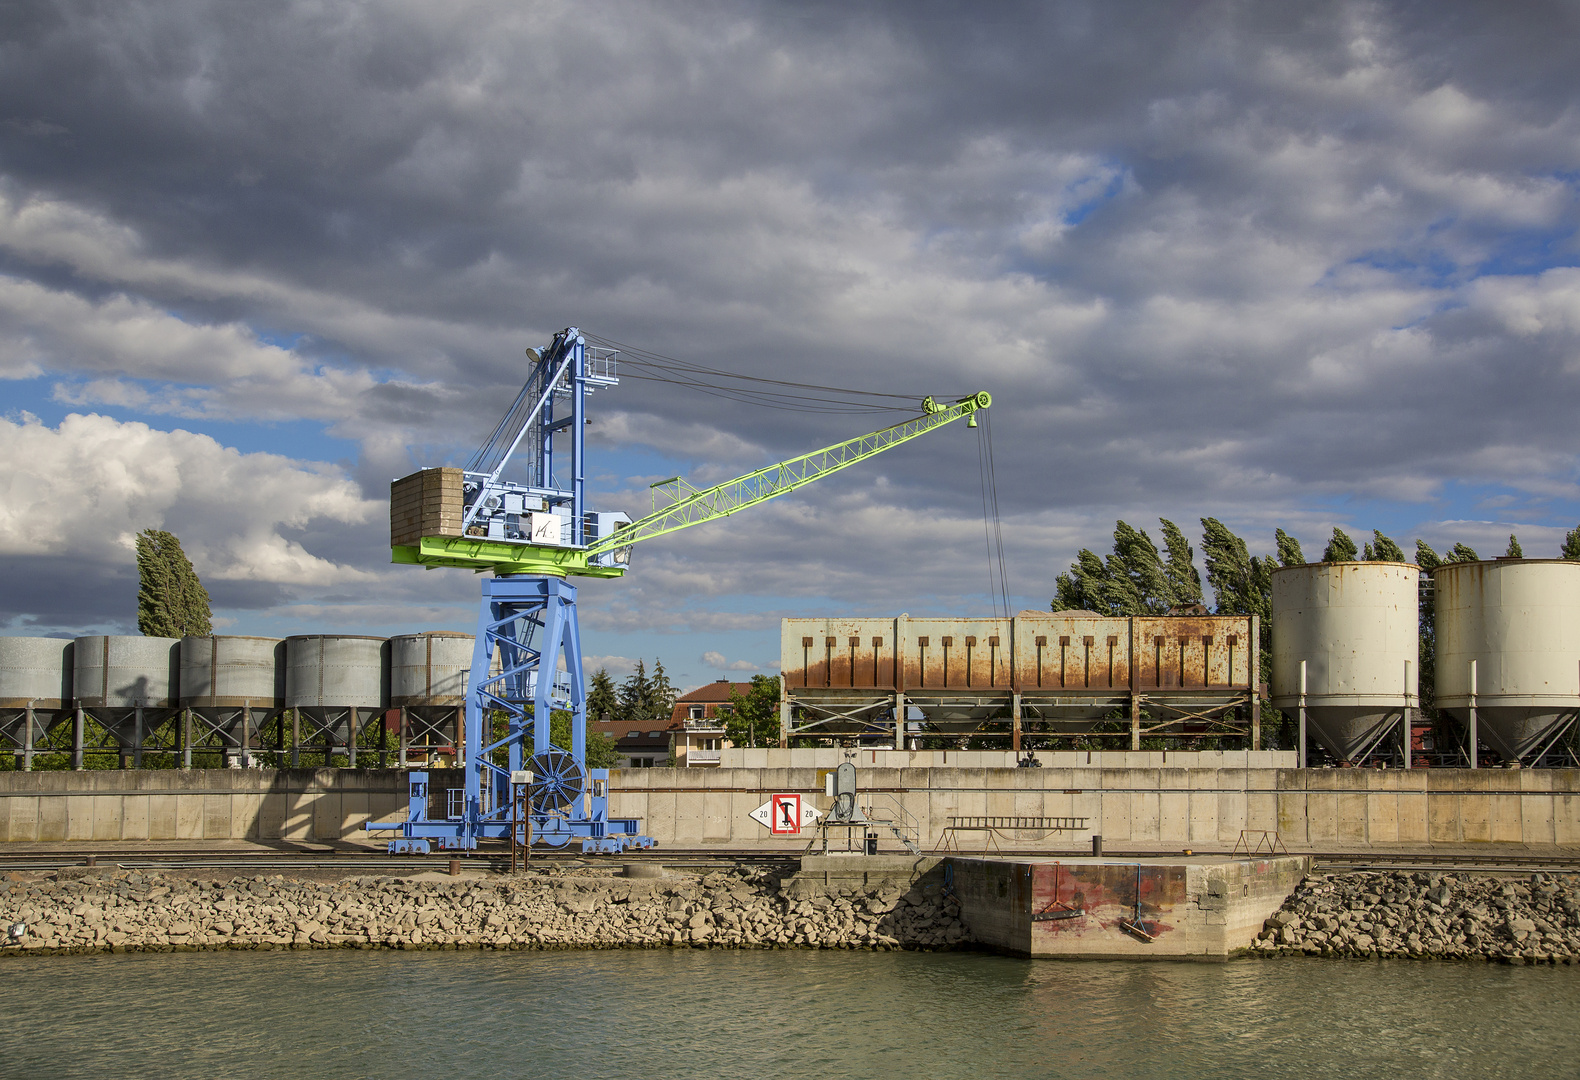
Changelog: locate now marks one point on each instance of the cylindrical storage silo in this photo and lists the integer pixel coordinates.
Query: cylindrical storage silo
(128, 684)
(428, 684)
(35, 680)
(334, 685)
(1356, 626)
(1518, 620)
(231, 686)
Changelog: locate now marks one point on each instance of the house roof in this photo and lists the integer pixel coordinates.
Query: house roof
(714, 692)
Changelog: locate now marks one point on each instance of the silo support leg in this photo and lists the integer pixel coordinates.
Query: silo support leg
(1256, 720)
(186, 738)
(27, 740)
(1404, 736)
(137, 738)
(351, 738)
(1014, 720)
(1135, 721)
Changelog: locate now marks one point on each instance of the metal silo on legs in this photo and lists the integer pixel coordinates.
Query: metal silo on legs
(35, 692)
(127, 686)
(334, 686)
(1508, 652)
(231, 686)
(1346, 648)
(428, 680)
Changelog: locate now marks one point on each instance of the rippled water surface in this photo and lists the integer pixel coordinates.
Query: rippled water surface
(770, 1014)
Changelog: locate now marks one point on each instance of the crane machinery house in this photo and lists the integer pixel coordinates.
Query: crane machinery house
(519, 508)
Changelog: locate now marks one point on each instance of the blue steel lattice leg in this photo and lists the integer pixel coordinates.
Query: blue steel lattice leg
(529, 623)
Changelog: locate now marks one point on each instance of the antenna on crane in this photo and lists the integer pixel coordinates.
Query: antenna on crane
(535, 534)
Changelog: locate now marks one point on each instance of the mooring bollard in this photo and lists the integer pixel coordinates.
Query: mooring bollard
(1097, 846)
(91, 860)
(455, 867)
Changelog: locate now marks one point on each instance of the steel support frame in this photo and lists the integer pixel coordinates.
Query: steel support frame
(529, 622)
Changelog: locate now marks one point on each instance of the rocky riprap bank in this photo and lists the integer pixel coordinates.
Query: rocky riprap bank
(1430, 916)
(99, 912)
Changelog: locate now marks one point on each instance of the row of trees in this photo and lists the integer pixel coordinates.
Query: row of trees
(1140, 578)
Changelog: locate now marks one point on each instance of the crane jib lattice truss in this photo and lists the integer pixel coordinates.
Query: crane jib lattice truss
(534, 534)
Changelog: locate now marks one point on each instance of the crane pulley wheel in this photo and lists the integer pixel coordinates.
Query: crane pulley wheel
(558, 781)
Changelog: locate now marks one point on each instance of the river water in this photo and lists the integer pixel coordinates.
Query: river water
(662, 1014)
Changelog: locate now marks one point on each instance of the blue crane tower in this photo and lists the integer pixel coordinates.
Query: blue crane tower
(535, 532)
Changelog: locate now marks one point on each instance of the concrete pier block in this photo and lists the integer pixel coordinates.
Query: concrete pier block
(1116, 908)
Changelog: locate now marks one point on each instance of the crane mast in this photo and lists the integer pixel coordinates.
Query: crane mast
(535, 532)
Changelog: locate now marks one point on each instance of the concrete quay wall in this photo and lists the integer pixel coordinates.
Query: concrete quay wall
(1194, 909)
(1139, 807)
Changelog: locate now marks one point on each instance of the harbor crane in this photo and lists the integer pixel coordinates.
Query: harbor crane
(535, 534)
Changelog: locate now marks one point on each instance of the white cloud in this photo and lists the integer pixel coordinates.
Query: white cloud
(89, 486)
(720, 662)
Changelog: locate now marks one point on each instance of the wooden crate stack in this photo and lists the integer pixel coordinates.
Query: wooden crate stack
(426, 503)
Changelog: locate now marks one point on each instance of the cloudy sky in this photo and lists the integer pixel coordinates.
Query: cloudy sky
(1301, 265)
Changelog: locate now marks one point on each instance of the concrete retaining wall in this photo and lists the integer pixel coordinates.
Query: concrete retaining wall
(1200, 909)
(199, 804)
(1136, 808)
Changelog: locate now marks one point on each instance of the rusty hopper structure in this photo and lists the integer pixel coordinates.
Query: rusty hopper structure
(1037, 677)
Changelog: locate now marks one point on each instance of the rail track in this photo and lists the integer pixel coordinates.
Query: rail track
(497, 859)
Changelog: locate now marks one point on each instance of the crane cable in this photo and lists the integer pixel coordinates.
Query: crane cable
(716, 382)
(992, 523)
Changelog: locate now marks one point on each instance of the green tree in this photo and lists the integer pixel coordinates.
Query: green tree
(753, 717)
(1182, 579)
(1462, 553)
(171, 601)
(635, 698)
(1085, 587)
(1341, 548)
(1571, 548)
(661, 694)
(1241, 584)
(1514, 551)
(1289, 553)
(1136, 581)
(601, 752)
(1384, 550)
(603, 700)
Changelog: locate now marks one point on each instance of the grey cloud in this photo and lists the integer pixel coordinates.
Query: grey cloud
(1214, 256)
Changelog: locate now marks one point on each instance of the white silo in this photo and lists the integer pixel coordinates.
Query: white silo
(1508, 650)
(1346, 644)
(35, 691)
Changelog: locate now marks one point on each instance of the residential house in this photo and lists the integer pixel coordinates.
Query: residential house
(697, 726)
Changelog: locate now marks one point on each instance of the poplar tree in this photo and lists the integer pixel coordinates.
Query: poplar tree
(1136, 580)
(1341, 548)
(1462, 553)
(1571, 548)
(1289, 553)
(1514, 551)
(171, 601)
(1184, 581)
(1084, 587)
(1383, 549)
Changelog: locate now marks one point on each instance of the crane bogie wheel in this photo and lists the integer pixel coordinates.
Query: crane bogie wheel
(551, 830)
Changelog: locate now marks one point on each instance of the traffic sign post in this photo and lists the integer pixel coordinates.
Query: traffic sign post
(786, 814)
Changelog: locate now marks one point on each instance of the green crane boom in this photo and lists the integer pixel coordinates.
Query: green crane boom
(685, 506)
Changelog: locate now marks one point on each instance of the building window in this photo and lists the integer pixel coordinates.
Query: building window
(655, 734)
(695, 712)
